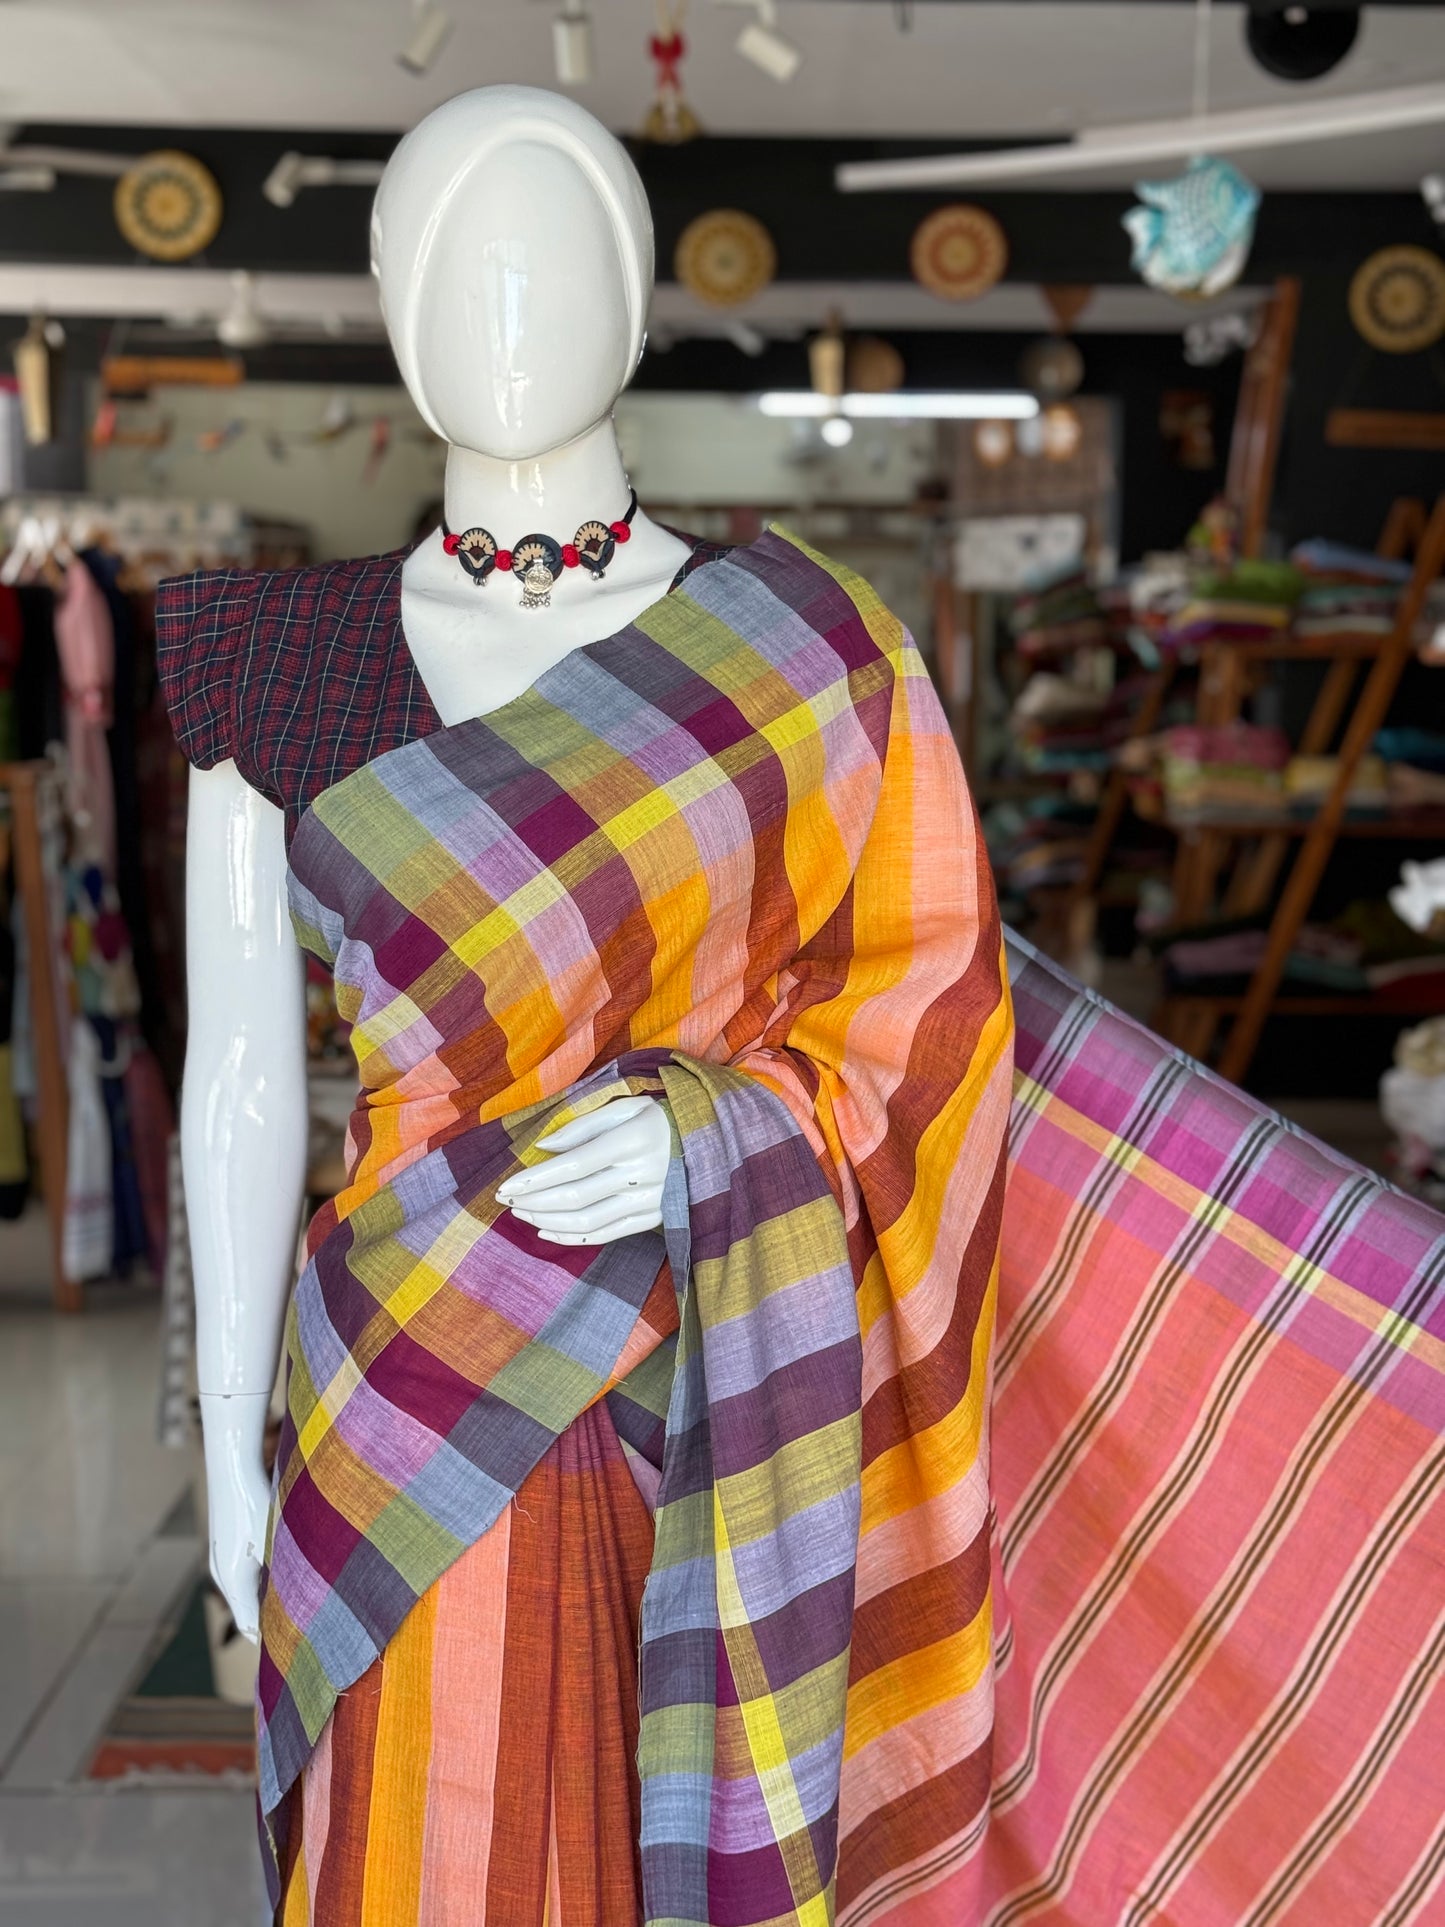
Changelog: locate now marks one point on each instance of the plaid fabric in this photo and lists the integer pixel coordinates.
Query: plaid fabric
(1220, 1483)
(301, 675)
(727, 852)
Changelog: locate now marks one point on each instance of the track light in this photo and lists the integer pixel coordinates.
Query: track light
(294, 171)
(430, 25)
(26, 180)
(572, 45)
(760, 42)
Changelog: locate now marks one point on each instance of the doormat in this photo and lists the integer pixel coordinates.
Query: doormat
(175, 1724)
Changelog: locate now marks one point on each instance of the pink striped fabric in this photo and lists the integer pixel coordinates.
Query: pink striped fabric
(1220, 1488)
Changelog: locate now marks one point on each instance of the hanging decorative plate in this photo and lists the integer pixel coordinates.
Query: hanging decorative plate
(168, 206)
(725, 257)
(958, 253)
(1397, 299)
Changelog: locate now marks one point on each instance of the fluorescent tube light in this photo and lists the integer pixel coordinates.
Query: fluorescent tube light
(1004, 404)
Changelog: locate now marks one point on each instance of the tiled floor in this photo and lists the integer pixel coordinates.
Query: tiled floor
(94, 1548)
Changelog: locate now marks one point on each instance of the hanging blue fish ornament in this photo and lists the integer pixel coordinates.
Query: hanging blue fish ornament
(1192, 235)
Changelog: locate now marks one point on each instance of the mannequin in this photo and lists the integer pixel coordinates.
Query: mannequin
(481, 305)
(660, 916)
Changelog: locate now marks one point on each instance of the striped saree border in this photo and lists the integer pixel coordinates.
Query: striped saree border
(1220, 1486)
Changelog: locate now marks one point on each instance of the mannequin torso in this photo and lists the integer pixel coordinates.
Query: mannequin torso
(493, 361)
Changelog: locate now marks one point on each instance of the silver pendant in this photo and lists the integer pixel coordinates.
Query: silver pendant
(537, 587)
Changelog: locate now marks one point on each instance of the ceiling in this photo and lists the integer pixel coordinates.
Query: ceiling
(968, 71)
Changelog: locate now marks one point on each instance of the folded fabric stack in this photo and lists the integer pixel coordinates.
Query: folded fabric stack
(1038, 845)
(1252, 603)
(1346, 591)
(1308, 780)
(1222, 964)
(1367, 949)
(1060, 724)
(1058, 617)
(1223, 775)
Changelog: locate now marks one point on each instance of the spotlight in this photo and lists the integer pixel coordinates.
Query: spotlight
(1432, 192)
(761, 43)
(572, 45)
(1300, 43)
(837, 431)
(430, 25)
(294, 171)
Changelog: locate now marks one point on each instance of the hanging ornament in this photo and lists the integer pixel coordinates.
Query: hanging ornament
(1066, 301)
(1051, 368)
(1192, 235)
(168, 206)
(1397, 299)
(725, 257)
(1063, 433)
(36, 376)
(993, 443)
(874, 366)
(958, 252)
(669, 120)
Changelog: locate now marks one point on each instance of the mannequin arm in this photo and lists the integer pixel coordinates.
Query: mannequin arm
(243, 1147)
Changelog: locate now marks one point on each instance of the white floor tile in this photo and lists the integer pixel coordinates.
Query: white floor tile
(130, 1858)
(83, 1479)
(57, 1747)
(42, 1627)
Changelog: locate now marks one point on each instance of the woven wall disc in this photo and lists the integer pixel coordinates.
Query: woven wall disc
(725, 257)
(168, 206)
(959, 252)
(1397, 299)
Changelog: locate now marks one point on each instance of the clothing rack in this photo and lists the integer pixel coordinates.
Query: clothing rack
(22, 783)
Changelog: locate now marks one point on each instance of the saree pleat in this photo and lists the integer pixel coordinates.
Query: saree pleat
(483, 1769)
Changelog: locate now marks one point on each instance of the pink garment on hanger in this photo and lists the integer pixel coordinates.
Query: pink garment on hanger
(85, 640)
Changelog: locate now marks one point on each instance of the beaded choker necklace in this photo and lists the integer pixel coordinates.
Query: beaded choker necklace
(538, 560)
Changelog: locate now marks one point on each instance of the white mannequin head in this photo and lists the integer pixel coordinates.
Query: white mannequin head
(512, 242)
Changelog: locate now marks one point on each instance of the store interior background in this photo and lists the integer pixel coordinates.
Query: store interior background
(123, 1779)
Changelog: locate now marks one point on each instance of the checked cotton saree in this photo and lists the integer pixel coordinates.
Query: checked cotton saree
(648, 1580)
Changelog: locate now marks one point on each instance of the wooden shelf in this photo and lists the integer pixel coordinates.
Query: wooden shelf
(1408, 999)
(1400, 825)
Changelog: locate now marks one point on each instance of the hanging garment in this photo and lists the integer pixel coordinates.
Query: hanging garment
(87, 1229)
(14, 1162)
(725, 857)
(86, 642)
(1219, 1475)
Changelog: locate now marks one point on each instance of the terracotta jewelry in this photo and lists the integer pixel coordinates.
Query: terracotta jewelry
(538, 560)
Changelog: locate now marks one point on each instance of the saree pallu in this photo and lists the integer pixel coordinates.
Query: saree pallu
(726, 858)
(1219, 1469)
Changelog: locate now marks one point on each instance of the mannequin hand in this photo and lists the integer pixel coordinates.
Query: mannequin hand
(605, 1181)
(238, 1497)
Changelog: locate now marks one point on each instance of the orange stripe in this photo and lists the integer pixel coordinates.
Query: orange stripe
(469, 1634)
(391, 1896)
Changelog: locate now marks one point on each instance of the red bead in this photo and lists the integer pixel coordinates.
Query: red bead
(451, 543)
(621, 532)
(504, 558)
(570, 557)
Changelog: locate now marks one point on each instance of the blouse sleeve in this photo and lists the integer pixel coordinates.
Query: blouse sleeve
(203, 631)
